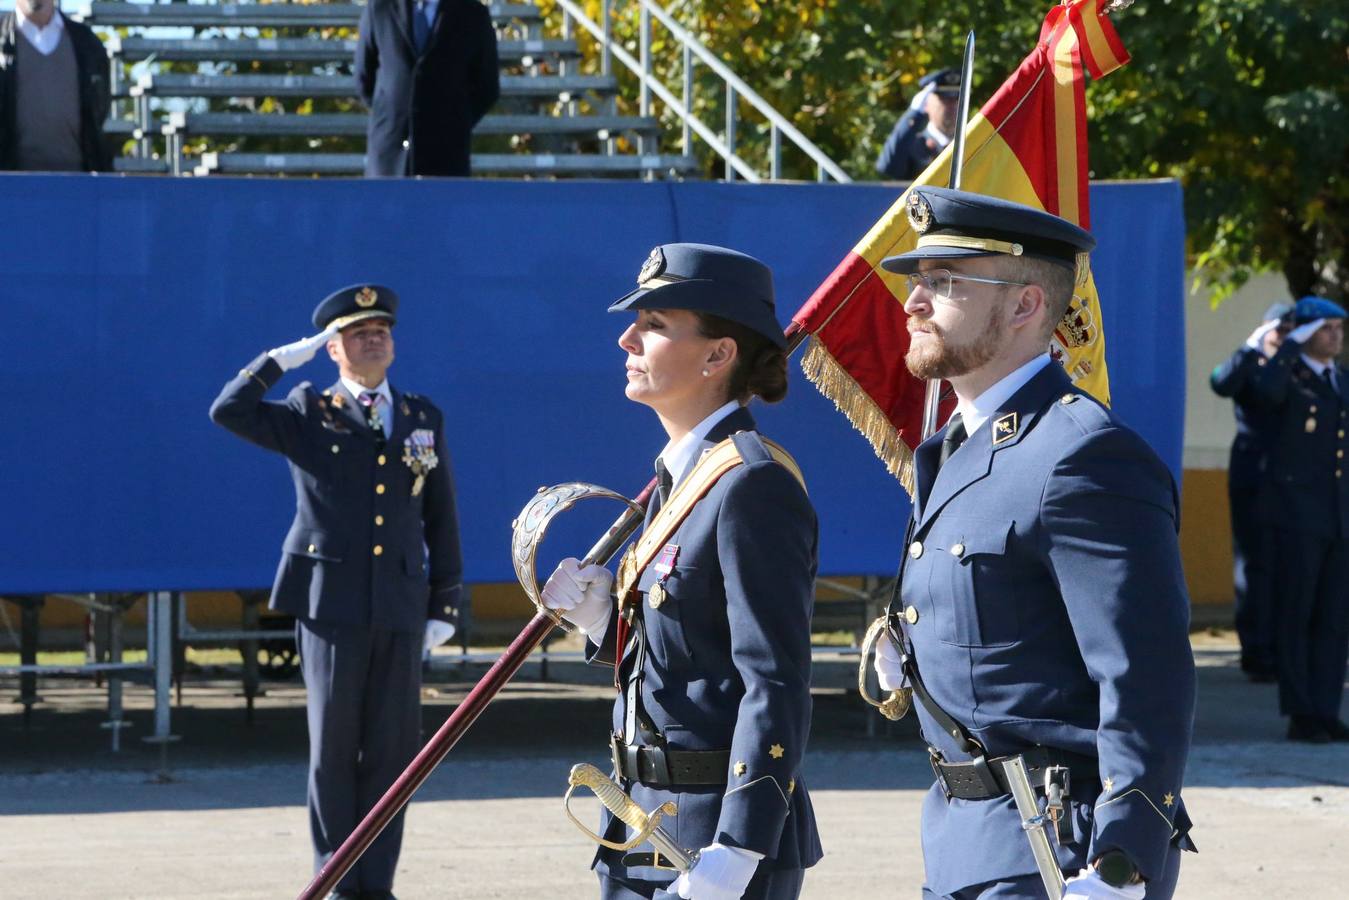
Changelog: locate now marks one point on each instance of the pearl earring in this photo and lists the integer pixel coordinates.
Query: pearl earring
(706, 373)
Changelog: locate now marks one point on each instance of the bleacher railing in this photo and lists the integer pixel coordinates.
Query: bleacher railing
(693, 53)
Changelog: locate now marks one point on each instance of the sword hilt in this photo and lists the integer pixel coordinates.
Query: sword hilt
(625, 809)
(894, 707)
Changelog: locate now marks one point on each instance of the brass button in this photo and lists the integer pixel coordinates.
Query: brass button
(916, 549)
(380, 459)
(957, 549)
(656, 596)
(911, 615)
(379, 489)
(379, 520)
(379, 551)
(336, 448)
(312, 548)
(1339, 454)
(1341, 433)
(1337, 473)
(1313, 407)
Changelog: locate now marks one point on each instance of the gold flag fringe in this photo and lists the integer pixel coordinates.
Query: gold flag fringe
(834, 382)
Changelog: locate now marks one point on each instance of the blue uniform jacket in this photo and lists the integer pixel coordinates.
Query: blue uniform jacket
(357, 550)
(728, 665)
(908, 150)
(1235, 378)
(1306, 490)
(1049, 608)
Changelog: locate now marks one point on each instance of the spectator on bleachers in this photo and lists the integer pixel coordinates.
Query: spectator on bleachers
(54, 92)
(427, 81)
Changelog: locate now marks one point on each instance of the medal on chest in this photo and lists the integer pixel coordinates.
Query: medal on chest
(663, 565)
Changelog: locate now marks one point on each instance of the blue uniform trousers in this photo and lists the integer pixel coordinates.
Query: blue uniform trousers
(1313, 627)
(1030, 887)
(767, 884)
(1256, 610)
(363, 689)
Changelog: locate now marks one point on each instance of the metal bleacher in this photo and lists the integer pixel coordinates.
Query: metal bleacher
(253, 60)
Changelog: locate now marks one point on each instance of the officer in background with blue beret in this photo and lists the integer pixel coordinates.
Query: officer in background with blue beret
(371, 566)
(924, 130)
(1253, 597)
(1040, 598)
(1305, 503)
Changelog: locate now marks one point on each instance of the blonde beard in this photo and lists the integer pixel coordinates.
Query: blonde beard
(939, 360)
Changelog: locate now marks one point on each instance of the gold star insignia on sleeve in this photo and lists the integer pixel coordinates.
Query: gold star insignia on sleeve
(741, 768)
(776, 751)
(1108, 784)
(1169, 800)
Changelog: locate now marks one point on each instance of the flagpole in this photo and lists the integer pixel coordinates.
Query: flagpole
(932, 394)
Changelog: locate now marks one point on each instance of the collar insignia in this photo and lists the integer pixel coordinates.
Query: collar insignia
(654, 265)
(919, 212)
(365, 298)
(1004, 428)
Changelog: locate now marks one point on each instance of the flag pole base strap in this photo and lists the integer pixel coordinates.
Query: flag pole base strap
(529, 528)
(897, 704)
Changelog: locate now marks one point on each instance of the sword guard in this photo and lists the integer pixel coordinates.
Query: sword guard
(897, 704)
(623, 807)
(529, 528)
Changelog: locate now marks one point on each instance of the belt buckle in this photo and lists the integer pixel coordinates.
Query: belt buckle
(616, 748)
(934, 759)
(660, 766)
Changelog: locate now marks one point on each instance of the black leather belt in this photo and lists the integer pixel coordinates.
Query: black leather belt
(984, 779)
(659, 767)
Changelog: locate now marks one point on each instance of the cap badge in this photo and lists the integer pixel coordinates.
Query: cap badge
(919, 212)
(365, 298)
(654, 265)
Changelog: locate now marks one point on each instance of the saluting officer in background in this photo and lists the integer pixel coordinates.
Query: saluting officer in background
(715, 705)
(926, 127)
(1253, 596)
(1305, 503)
(371, 566)
(1041, 597)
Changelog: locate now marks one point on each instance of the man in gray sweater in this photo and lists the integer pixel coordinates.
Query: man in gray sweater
(54, 92)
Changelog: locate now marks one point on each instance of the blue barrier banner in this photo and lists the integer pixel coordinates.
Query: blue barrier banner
(138, 298)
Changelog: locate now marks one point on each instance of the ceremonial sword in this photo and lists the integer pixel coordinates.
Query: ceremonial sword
(625, 809)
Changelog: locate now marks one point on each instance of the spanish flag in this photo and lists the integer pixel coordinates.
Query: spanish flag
(1028, 144)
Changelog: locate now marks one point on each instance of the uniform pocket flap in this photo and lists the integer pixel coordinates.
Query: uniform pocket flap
(316, 545)
(990, 538)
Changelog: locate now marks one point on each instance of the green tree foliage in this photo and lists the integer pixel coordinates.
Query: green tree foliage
(1244, 101)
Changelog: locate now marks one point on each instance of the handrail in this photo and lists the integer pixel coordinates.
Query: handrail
(735, 89)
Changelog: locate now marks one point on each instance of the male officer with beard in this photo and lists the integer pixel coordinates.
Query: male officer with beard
(371, 567)
(1041, 601)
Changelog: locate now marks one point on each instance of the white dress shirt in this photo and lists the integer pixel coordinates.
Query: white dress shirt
(976, 412)
(45, 39)
(1320, 369)
(679, 457)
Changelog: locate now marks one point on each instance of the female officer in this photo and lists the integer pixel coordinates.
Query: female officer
(714, 635)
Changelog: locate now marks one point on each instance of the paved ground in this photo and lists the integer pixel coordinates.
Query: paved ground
(227, 821)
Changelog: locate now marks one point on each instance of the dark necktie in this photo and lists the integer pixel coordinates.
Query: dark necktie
(421, 27)
(1328, 373)
(955, 436)
(371, 401)
(664, 483)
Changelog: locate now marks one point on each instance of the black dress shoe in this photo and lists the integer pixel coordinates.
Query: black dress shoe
(1307, 730)
(1335, 729)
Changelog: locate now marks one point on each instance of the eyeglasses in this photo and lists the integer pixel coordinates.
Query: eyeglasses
(938, 281)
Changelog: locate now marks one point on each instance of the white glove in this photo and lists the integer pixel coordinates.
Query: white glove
(582, 595)
(920, 99)
(437, 633)
(1087, 885)
(1257, 339)
(889, 668)
(1303, 333)
(722, 873)
(292, 356)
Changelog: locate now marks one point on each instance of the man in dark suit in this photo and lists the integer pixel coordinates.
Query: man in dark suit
(1041, 600)
(1305, 502)
(1252, 595)
(924, 130)
(428, 72)
(371, 566)
(54, 92)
